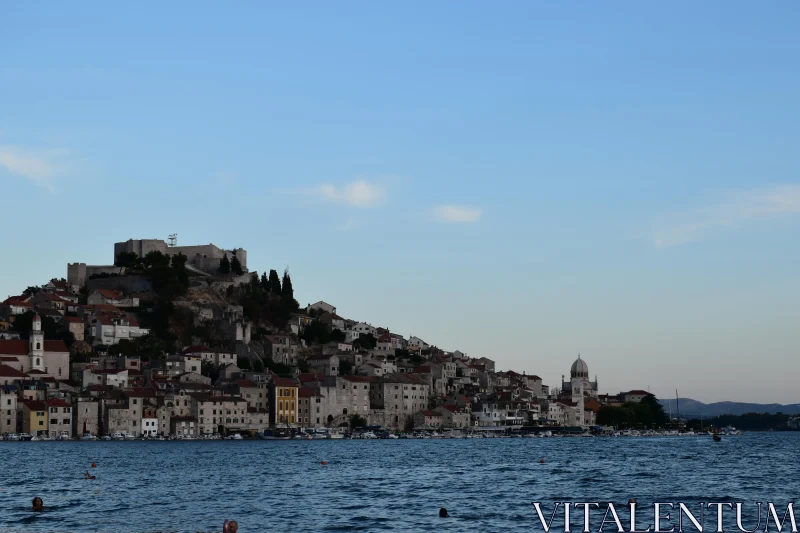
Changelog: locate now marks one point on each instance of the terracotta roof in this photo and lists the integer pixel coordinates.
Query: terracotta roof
(20, 347)
(246, 383)
(73, 319)
(431, 413)
(112, 295)
(35, 405)
(35, 372)
(8, 372)
(284, 382)
(57, 402)
(308, 392)
(9, 359)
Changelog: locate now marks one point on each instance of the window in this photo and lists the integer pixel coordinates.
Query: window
(67, 421)
(53, 421)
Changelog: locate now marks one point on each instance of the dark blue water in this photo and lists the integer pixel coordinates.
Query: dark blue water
(398, 485)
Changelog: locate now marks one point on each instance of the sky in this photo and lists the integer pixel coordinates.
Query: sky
(523, 181)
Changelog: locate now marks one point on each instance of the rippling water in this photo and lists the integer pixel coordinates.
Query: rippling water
(487, 484)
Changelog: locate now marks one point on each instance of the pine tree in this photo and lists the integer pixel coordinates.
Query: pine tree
(224, 265)
(274, 283)
(236, 266)
(288, 292)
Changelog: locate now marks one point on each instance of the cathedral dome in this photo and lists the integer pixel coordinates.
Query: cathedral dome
(579, 368)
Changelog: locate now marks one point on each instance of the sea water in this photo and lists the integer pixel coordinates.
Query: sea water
(487, 485)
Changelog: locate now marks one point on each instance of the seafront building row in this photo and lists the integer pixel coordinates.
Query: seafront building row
(65, 374)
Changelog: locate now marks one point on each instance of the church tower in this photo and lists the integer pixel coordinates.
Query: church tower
(36, 344)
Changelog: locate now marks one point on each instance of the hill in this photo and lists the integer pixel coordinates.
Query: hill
(690, 408)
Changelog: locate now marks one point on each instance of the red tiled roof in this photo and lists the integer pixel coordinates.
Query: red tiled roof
(431, 413)
(73, 319)
(109, 294)
(284, 382)
(57, 402)
(307, 392)
(197, 349)
(35, 405)
(13, 347)
(35, 372)
(246, 383)
(8, 372)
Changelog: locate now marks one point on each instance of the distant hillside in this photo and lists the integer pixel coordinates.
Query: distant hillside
(689, 407)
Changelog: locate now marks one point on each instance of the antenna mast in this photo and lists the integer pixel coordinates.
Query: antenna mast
(173, 240)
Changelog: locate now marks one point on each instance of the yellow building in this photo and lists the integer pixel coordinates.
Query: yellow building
(34, 417)
(283, 401)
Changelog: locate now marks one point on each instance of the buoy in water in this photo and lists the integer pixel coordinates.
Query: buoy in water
(94, 465)
(541, 461)
(324, 462)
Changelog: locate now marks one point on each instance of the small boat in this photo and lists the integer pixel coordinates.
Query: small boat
(88, 436)
(117, 436)
(235, 436)
(105, 437)
(34, 439)
(716, 438)
(12, 436)
(128, 436)
(25, 436)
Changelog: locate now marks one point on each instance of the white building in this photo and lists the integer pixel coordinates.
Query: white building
(110, 330)
(50, 357)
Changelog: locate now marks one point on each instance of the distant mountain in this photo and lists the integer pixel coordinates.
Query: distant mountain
(689, 407)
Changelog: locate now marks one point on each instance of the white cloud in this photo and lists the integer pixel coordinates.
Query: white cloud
(359, 193)
(457, 213)
(40, 166)
(732, 211)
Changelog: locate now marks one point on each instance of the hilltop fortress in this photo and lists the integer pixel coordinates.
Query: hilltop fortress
(203, 258)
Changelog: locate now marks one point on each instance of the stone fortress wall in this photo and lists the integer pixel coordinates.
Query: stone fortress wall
(205, 257)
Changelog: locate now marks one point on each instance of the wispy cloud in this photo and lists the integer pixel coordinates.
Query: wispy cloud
(457, 213)
(40, 166)
(359, 193)
(733, 210)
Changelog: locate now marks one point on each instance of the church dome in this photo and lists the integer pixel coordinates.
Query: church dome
(579, 368)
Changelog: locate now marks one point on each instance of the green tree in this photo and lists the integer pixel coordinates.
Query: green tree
(287, 292)
(31, 291)
(236, 266)
(224, 265)
(365, 342)
(338, 335)
(659, 417)
(274, 283)
(23, 324)
(316, 333)
(357, 421)
(265, 282)
(179, 268)
(258, 365)
(126, 260)
(345, 367)
(210, 370)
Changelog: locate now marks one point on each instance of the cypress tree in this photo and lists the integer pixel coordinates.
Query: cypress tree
(265, 282)
(224, 265)
(236, 266)
(274, 283)
(288, 292)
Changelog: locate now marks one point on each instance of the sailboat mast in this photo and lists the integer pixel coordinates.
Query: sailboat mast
(677, 408)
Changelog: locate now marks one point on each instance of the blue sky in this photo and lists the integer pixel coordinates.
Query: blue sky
(522, 182)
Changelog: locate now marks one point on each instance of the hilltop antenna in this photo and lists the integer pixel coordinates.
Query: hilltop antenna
(173, 240)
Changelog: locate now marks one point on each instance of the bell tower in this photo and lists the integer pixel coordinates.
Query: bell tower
(36, 344)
